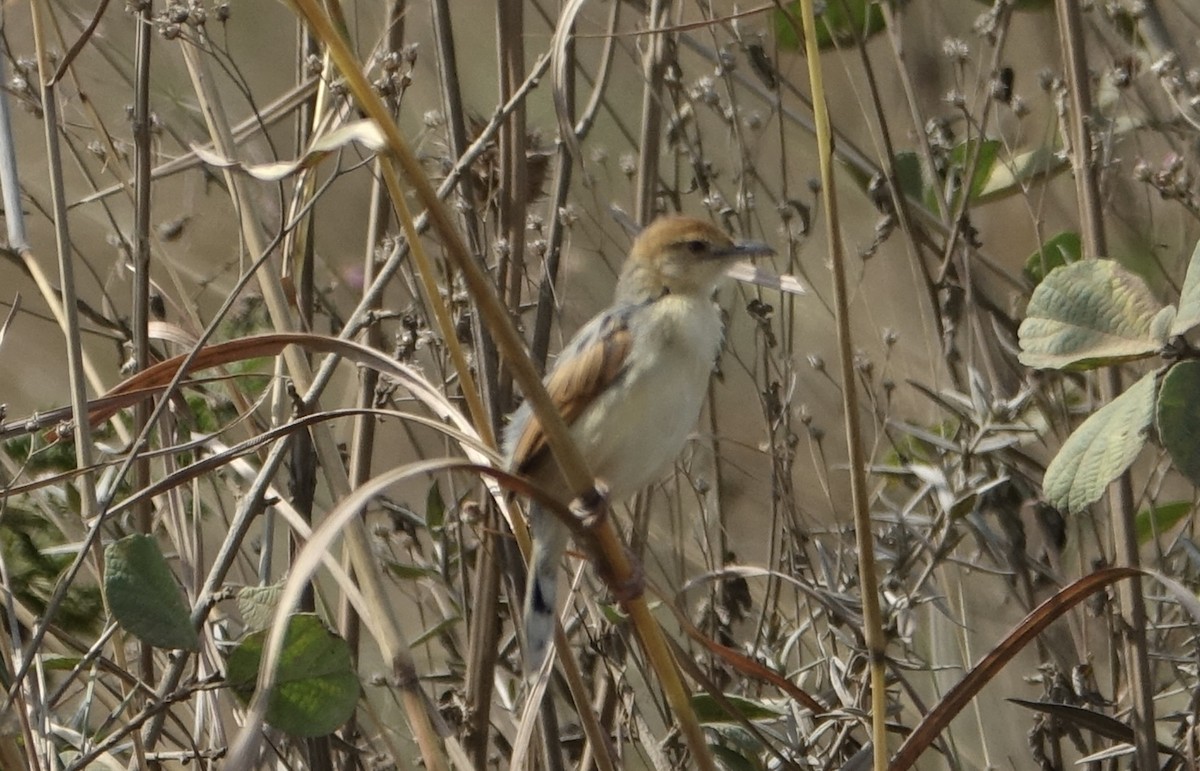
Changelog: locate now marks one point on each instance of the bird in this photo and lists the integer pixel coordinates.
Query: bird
(629, 385)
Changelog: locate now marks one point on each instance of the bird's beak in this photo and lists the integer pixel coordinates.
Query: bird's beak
(746, 250)
(745, 271)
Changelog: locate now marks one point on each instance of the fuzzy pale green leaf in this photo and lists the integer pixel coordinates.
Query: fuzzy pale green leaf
(1091, 313)
(1179, 417)
(1101, 448)
(1189, 298)
(257, 605)
(316, 687)
(143, 596)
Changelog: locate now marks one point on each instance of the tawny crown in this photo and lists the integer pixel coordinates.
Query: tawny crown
(681, 255)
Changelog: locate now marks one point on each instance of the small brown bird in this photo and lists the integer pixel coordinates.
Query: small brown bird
(629, 385)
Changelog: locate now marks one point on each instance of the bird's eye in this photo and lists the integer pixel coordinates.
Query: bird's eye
(696, 247)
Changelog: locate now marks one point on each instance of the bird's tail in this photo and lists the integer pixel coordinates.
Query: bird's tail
(541, 588)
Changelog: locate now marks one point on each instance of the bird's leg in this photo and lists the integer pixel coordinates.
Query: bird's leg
(591, 512)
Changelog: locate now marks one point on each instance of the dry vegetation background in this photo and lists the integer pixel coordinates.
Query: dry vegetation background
(748, 544)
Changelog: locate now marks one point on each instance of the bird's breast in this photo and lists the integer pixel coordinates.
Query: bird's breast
(643, 420)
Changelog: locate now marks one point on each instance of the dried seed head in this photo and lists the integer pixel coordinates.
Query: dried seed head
(628, 164)
(956, 50)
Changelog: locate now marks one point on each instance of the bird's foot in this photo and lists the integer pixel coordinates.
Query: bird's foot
(629, 587)
(626, 581)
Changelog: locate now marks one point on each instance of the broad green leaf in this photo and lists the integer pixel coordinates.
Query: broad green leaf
(997, 174)
(143, 596)
(985, 162)
(316, 687)
(1179, 417)
(834, 26)
(1160, 519)
(1059, 250)
(257, 605)
(1091, 313)
(1014, 173)
(1100, 449)
(1189, 297)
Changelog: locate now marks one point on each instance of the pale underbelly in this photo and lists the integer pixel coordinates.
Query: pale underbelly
(647, 422)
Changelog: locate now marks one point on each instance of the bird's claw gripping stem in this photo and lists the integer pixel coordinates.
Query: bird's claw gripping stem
(591, 513)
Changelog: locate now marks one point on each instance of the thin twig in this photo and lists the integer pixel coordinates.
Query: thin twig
(1120, 492)
(654, 63)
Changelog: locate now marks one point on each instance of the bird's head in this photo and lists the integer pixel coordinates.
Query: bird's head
(681, 255)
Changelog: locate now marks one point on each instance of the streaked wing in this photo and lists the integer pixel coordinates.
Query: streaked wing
(588, 366)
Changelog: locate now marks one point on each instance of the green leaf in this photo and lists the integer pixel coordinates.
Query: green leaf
(1062, 249)
(908, 174)
(709, 711)
(986, 153)
(1189, 297)
(1179, 417)
(963, 506)
(435, 507)
(143, 596)
(1014, 174)
(1100, 449)
(733, 760)
(316, 687)
(834, 26)
(435, 630)
(1089, 314)
(35, 556)
(1160, 519)
(257, 605)
(613, 614)
(57, 663)
(408, 572)
(997, 174)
